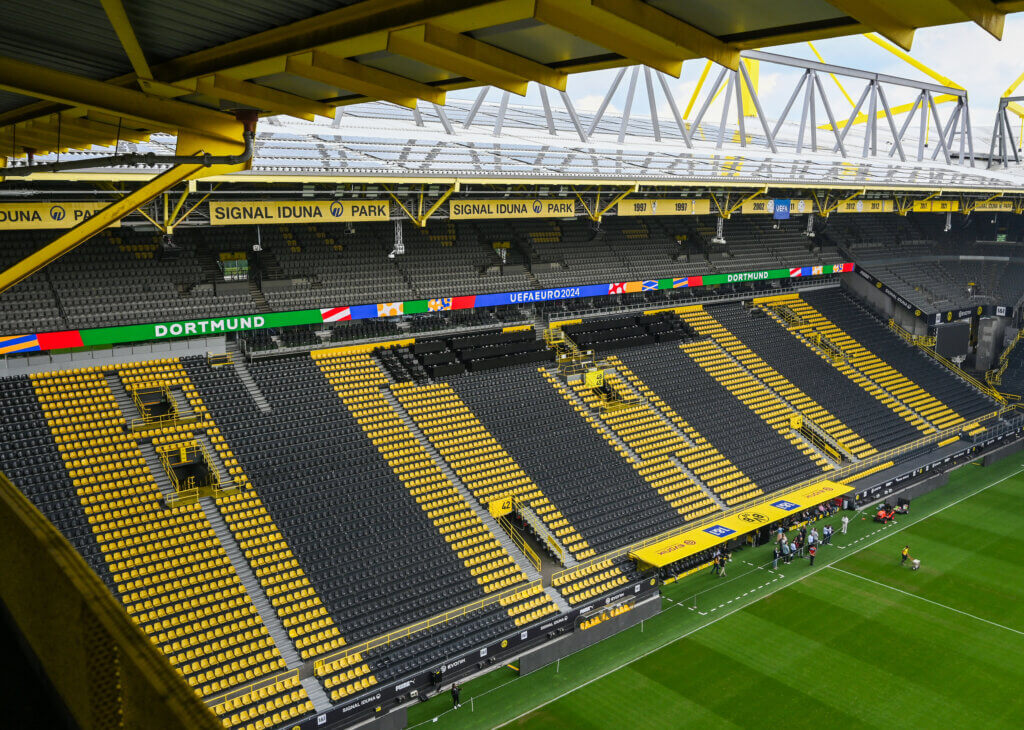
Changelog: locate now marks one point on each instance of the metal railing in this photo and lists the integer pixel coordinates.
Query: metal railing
(415, 628)
(909, 336)
(995, 377)
(951, 366)
(834, 475)
(520, 543)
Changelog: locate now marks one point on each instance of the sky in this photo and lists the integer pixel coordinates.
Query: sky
(963, 52)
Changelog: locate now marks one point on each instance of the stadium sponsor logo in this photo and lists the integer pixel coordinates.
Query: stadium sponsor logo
(681, 545)
(361, 703)
(719, 531)
(283, 211)
(785, 505)
(754, 517)
(15, 216)
(747, 276)
(207, 326)
(502, 208)
(403, 685)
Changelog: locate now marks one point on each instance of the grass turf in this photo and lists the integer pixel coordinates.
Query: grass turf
(856, 639)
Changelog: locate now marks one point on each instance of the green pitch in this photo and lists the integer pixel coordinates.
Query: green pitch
(857, 639)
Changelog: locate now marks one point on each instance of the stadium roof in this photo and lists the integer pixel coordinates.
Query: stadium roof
(76, 74)
(379, 142)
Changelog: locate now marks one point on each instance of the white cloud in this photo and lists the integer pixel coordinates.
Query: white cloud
(591, 102)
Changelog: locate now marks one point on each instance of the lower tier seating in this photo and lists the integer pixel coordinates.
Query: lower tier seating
(580, 471)
(760, 452)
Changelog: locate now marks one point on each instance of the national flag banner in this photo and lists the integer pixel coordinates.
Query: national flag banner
(464, 302)
(680, 283)
(417, 306)
(634, 286)
(695, 281)
(842, 268)
(390, 309)
(336, 314)
(817, 270)
(795, 272)
(805, 270)
(439, 305)
(18, 343)
(66, 339)
(619, 288)
(649, 286)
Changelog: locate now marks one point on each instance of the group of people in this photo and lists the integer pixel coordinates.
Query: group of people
(718, 560)
(804, 544)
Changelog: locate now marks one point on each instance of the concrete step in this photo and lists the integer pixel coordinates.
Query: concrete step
(321, 702)
(481, 511)
(163, 482)
(238, 363)
(124, 401)
(252, 586)
(563, 605)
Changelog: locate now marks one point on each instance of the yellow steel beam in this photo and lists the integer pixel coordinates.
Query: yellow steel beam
(835, 79)
(342, 73)
(91, 226)
(676, 32)
(985, 13)
(899, 109)
(874, 15)
(200, 202)
(696, 91)
(59, 135)
(263, 98)
(125, 134)
(422, 220)
(64, 88)
(460, 54)
(596, 216)
(400, 204)
(583, 20)
(732, 209)
(903, 56)
(126, 34)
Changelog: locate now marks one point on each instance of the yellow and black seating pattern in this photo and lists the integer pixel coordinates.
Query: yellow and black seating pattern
(921, 408)
(646, 434)
(269, 706)
(769, 408)
(482, 464)
(707, 325)
(589, 581)
(359, 382)
(529, 605)
(168, 566)
(310, 627)
(728, 482)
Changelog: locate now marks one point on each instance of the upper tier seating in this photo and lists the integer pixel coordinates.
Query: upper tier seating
(875, 336)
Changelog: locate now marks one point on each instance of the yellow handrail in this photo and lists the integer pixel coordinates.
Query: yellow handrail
(995, 377)
(415, 628)
(528, 551)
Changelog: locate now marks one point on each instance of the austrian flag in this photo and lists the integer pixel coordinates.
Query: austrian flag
(335, 314)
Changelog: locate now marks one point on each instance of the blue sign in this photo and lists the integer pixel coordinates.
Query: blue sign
(783, 504)
(719, 530)
(781, 209)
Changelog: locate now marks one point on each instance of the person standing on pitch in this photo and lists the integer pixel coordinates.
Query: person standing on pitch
(455, 696)
(905, 553)
(776, 554)
(846, 522)
(811, 552)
